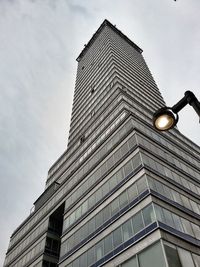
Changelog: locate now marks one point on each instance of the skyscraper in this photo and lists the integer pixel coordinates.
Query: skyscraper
(122, 194)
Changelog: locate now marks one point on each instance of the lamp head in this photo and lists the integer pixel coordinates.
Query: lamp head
(164, 119)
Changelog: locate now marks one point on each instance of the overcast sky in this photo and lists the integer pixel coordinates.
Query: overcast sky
(39, 42)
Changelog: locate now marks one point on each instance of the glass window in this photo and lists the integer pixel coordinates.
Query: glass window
(196, 230)
(152, 256)
(112, 182)
(172, 256)
(128, 168)
(141, 184)
(186, 202)
(75, 263)
(159, 213)
(187, 227)
(177, 222)
(105, 188)
(119, 176)
(99, 250)
(148, 215)
(136, 161)
(83, 260)
(117, 155)
(99, 219)
(127, 230)
(132, 192)
(168, 218)
(123, 200)
(137, 222)
(117, 237)
(124, 149)
(115, 206)
(130, 263)
(186, 258)
(91, 225)
(91, 256)
(108, 244)
(196, 259)
(98, 194)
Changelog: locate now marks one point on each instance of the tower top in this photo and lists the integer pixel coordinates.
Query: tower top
(107, 23)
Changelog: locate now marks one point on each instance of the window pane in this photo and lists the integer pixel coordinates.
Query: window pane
(177, 222)
(196, 259)
(83, 260)
(127, 230)
(119, 176)
(137, 222)
(128, 168)
(172, 257)
(132, 192)
(141, 185)
(106, 213)
(148, 215)
(123, 200)
(91, 256)
(185, 257)
(168, 218)
(99, 250)
(108, 244)
(99, 219)
(115, 206)
(187, 227)
(130, 263)
(152, 257)
(117, 237)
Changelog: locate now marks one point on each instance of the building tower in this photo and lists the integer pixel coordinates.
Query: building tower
(122, 194)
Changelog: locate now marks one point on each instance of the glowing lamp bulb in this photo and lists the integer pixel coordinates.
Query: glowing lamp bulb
(164, 120)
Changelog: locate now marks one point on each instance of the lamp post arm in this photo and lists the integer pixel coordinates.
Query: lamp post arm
(193, 101)
(181, 104)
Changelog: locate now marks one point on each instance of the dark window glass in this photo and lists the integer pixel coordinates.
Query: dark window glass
(123, 200)
(115, 206)
(91, 225)
(108, 244)
(127, 230)
(105, 188)
(137, 222)
(131, 142)
(117, 237)
(148, 215)
(99, 250)
(117, 155)
(152, 256)
(124, 149)
(132, 192)
(76, 263)
(99, 219)
(91, 256)
(141, 184)
(128, 168)
(106, 213)
(119, 176)
(172, 257)
(83, 260)
(131, 263)
(91, 201)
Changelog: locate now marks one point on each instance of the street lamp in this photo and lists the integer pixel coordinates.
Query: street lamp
(166, 118)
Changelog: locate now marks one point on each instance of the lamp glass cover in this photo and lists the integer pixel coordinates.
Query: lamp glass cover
(164, 122)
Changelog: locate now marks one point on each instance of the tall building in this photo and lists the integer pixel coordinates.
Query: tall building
(122, 194)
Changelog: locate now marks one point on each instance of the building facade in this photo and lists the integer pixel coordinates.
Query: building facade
(122, 194)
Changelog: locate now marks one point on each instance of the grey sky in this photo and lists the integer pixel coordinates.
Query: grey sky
(39, 42)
